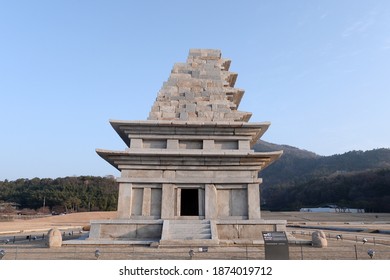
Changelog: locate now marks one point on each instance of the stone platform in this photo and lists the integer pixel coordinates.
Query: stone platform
(182, 232)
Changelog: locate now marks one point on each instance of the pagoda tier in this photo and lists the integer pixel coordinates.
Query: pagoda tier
(177, 145)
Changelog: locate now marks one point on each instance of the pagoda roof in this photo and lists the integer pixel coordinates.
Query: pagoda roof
(157, 129)
(176, 159)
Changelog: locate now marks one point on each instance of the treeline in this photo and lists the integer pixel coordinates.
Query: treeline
(69, 194)
(369, 190)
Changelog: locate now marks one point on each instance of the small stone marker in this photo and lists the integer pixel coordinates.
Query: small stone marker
(54, 238)
(318, 239)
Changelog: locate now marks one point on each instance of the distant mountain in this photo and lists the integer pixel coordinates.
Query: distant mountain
(292, 174)
(263, 146)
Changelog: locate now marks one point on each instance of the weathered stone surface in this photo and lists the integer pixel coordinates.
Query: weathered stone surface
(204, 78)
(54, 238)
(211, 208)
(319, 239)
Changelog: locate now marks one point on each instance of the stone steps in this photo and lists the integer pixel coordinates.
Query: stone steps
(189, 230)
(186, 232)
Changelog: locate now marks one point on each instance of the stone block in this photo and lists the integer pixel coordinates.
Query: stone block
(208, 115)
(195, 74)
(191, 175)
(136, 143)
(202, 108)
(211, 195)
(155, 205)
(149, 231)
(169, 174)
(208, 145)
(179, 66)
(223, 203)
(219, 116)
(154, 144)
(180, 76)
(168, 192)
(137, 198)
(182, 90)
(253, 201)
(226, 144)
(54, 238)
(228, 232)
(192, 115)
(319, 239)
(191, 144)
(197, 90)
(190, 107)
(234, 115)
(238, 202)
(146, 202)
(168, 109)
(244, 145)
(183, 116)
(173, 143)
(168, 115)
(189, 95)
(186, 82)
(124, 201)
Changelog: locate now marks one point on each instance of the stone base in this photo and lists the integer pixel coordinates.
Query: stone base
(125, 230)
(240, 230)
(146, 232)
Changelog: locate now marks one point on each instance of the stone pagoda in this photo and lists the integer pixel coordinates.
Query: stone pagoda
(189, 174)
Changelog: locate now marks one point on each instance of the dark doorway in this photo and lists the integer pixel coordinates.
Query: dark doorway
(189, 202)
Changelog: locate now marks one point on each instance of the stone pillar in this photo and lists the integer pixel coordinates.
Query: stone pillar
(243, 145)
(124, 200)
(201, 199)
(211, 207)
(136, 143)
(172, 144)
(168, 201)
(208, 145)
(253, 202)
(178, 202)
(146, 201)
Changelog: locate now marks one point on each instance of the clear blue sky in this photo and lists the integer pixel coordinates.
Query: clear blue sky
(318, 70)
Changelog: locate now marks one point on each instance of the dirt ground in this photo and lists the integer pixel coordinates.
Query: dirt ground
(353, 228)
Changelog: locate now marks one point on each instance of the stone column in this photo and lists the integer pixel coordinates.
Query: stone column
(172, 144)
(136, 143)
(146, 201)
(253, 202)
(201, 200)
(124, 200)
(211, 207)
(208, 145)
(178, 202)
(168, 201)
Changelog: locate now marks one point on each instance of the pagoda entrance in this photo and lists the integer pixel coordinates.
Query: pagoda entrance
(189, 204)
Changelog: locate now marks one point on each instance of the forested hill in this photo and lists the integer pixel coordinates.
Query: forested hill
(296, 164)
(302, 179)
(68, 194)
